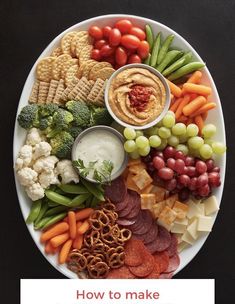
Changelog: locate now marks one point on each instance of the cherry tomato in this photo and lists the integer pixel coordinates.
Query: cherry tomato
(99, 43)
(96, 32)
(110, 59)
(120, 56)
(134, 58)
(130, 41)
(95, 54)
(106, 50)
(124, 26)
(143, 49)
(117, 66)
(115, 37)
(106, 31)
(138, 32)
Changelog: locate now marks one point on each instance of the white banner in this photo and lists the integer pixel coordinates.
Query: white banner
(117, 291)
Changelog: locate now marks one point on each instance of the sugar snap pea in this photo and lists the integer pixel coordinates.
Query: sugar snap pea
(79, 199)
(55, 210)
(73, 189)
(94, 202)
(155, 50)
(41, 223)
(149, 34)
(52, 204)
(50, 220)
(147, 60)
(186, 69)
(93, 190)
(34, 211)
(43, 210)
(164, 49)
(177, 64)
(58, 198)
(170, 56)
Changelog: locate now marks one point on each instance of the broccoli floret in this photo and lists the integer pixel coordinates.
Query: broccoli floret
(48, 109)
(74, 130)
(62, 144)
(80, 111)
(100, 116)
(45, 123)
(28, 117)
(62, 119)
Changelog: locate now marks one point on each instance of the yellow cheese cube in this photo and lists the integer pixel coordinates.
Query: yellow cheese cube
(181, 209)
(157, 208)
(147, 201)
(148, 189)
(211, 205)
(205, 223)
(170, 201)
(142, 179)
(130, 183)
(167, 217)
(133, 162)
(192, 229)
(186, 237)
(182, 246)
(136, 169)
(159, 192)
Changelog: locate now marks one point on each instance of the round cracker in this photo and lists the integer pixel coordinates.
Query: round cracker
(66, 42)
(58, 64)
(81, 42)
(56, 52)
(71, 72)
(82, 67)
(104, 73)
(44, 69)
(87, 66)
(97, 67)
(73, 43)
(85, 53)
(66, 65)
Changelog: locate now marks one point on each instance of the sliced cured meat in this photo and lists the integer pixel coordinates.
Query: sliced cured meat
(133, 252)
(154, 274)
(165, 275)
(162, 241)
(146, 222)
(129, 206)
(138, 222)
(120, 273)
(122, 205)
(173, 263)
(116, 192)
(162, 260)
(136, 204)
(172, 249)
(146, 267)
(126, 222)
(149, 236)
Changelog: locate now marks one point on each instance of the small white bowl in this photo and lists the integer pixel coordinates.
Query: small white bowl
(152, 70)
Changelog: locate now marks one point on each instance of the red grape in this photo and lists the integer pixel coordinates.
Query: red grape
(193, 184)
(184, 194)
(180, 186)
(180, 155)
(150, 167)
(179, 165)
(214, 179)
(171, 184)
(204, 191)
(185, 170)
(158, 162)
(171, 163)
(202, 180)
(147, 159)
(210, 164)
(169, 152)
(216, 169)
(166, 173)
(191, 171)
(184, 180)
(157, 153)
(201, 166)
(189, 161)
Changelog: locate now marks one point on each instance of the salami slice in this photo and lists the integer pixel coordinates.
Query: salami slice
(172, 249)
(120, 273)
(162, 259)
(146, 222)
(116, 192)
(136, 204)
(126, 222)
(149, 236)
(129, 206)
(165, 275)
(122, 205)
(146, 267)
(162, 241)
(173, 263)
(133, 252)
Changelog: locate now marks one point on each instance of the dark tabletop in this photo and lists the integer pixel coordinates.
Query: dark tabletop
(26, 29)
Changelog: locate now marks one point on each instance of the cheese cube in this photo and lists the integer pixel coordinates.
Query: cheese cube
(148, 189)
(167, 217)
(202, 208)
(178, 228)
(193, 210)
(170, 201)
(130, 183)
(205, 223)
(180, 209)
(157, 208)
(142, 179)
(179, 237)
(147, 201)
(136, 169)
(182, 246)
(186, 237)
(211, 205)
(159, 192)
(165, 225)
(183, 222)
(192, 229)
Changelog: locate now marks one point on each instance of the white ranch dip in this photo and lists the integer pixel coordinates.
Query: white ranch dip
(100, 145)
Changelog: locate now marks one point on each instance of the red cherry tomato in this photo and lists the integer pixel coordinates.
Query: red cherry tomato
(117, 66)
(115, 37)
(134, 58)
(95, 54)
(96, 32)
(130, 42)
(143, 49)
(99, 43)
(106, 50)
(138, 32)
(106, 31)
(110, 59)
(124, 26)
(120, 56)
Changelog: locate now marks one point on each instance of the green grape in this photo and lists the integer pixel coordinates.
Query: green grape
(218, 147)
(183, 138)
(163, 144)
(159, 124)
(194, 152)
(179, 129)
(139, 133)
(183, 148)
(206, 151)
(173, 141)
(192, 130)
(134, 154)
(144, 151)
(195, 142)
(164, 132)
(129, 133)
(154, 141)
(168, 121)
(208, 141)
(151, 131)
(208, 130)
(129, 145)
(171, 113)
(142, 142)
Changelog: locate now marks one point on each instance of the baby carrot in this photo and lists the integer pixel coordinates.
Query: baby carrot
(194, 105)
(197, 88)
(83, 214)
(189, 121)
(55, 230)
(49, 249)
(65, 251)
(79, 224)
(83, 228)
(204, 115)
(182, 118)
(59, 239)
(184, 102)
(175, 90)
(72, 224)
(175, 105)
(77, 243)
(195, 77)
(199, 122)
(206, 107)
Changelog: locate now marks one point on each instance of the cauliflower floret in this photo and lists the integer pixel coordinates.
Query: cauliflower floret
(48, 178)
(19, 164)
(42, 149)
(67, 172)
(27, 176)
(25, 154)
(34, 137)
(46, 164)
(35, 191)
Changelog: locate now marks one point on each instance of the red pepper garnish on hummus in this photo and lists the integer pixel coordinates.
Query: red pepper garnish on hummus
(139, 97)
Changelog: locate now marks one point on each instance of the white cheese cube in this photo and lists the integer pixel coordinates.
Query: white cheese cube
(211, 205)
(183, 222)
(192, 229)
(182, 246)
(205, 223)
(165, 225)
(178, 228)
(179, 237)
(202, 208)
(186, 237)
(193, 210)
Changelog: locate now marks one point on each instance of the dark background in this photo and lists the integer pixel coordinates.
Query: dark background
(26, 29)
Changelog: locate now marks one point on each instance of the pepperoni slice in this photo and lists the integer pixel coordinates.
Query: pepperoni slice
(120, 273)
(133, 252)
(172, 249)
(116, 192)
(173, 263)
(165, 275)
(154, 274)
(146, 267)
(162, 260)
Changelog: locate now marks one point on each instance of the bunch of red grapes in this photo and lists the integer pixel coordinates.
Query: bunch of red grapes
(182, 174)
